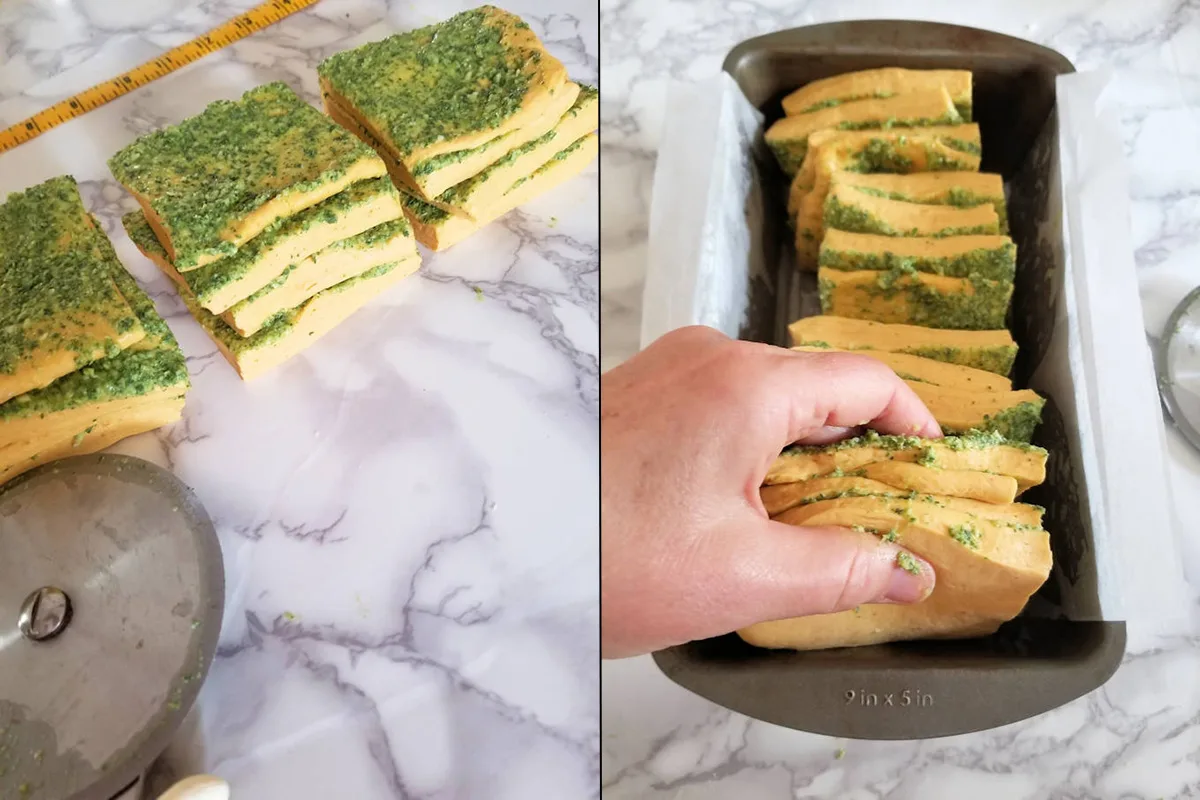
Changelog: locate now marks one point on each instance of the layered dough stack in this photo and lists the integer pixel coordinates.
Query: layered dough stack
(472, 116)
(951, 501)
(85, 360)
(915, 269)
(274, 221)
(888, 205)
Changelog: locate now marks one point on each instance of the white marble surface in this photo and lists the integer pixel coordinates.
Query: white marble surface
(407, 510)
(1139, 736)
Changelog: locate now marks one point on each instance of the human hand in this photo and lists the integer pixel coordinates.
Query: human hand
(689, 427)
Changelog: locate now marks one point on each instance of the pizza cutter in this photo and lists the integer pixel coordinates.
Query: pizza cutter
(111, 596)
(1177, 362)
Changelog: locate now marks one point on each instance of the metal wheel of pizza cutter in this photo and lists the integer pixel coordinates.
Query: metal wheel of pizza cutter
(111, 596)
(1177, 362)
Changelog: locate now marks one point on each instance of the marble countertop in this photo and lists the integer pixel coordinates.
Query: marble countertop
(1138, 736)
(407, 510)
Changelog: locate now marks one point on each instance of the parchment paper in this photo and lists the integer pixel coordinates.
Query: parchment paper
(706, 209)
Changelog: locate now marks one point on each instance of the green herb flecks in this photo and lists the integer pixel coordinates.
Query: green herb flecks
(906, 562)
(998, 263)
(437, 83)
(966, 534)
(56, 278)
(210, 171)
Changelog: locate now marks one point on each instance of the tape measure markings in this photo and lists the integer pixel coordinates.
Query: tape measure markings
(241, 26)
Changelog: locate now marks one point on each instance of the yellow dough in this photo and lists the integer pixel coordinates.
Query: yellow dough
(292, 332)
(59, 306)
(788, 137)
(992, 350)
(884, 82)
(220, 285)
(217, 180)
(138, 389)
(848, 209)
(985, 574)
(782, 497)
(915, 298)
(928, 370)
(438, 230)
(454, 93)
(981, 452)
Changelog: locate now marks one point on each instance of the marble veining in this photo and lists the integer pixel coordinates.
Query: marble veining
(1139, 736)
(407, 510)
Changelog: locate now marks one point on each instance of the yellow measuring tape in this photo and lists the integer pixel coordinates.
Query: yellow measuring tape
(239, 27)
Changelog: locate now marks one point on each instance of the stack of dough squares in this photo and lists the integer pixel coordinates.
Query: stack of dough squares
(274, 221)
(472, 116)
(85, 360)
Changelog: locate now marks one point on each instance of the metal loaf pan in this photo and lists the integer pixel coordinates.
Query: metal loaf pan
(1042, 659)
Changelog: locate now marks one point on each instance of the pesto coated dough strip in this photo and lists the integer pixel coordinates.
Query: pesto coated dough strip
(782, 497)
(957, 188)
(848, 209)
(954, 148)
(432, 185)
(215, 181)
(293, 331)
(477, 196)
(221, 285)
(915, 298)
(973, 484)
(883, 82)
(139, 389)
(1015, 415)
(60, 308)
(340, 261)
(928, 370)
(992, 350)
(986, 573)
(430, 116)
(438, 230)
(988, 256)
(981, 452)
(788, 137)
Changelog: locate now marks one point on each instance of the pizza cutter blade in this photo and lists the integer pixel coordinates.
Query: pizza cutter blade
(1177, 361)
(111, 596)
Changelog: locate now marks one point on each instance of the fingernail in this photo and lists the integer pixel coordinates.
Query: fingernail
(911, 579)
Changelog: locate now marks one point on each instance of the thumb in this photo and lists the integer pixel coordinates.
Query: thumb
(782, 571)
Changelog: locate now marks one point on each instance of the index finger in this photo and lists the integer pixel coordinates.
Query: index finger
(845, 390)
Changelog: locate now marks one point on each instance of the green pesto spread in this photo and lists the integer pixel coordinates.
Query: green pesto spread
(966, 535)
(791, 152)
(843, 217)
(425, 213)
(54, 273)
(367, 240)
(437, 83)
(927, 306)
(209, 171)
(907, 563)
(971, 440)
(1017, 423)
(891, 536)
(559, 157)
(998, 263)
(457, 195)
(951, 117)
(280, 326)
(998, 359)
(154, 363)
(963, 107)
(443, 160)
(954, 196)
(207, 281)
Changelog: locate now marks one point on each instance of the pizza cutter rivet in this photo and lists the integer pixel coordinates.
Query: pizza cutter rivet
(44, 614)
